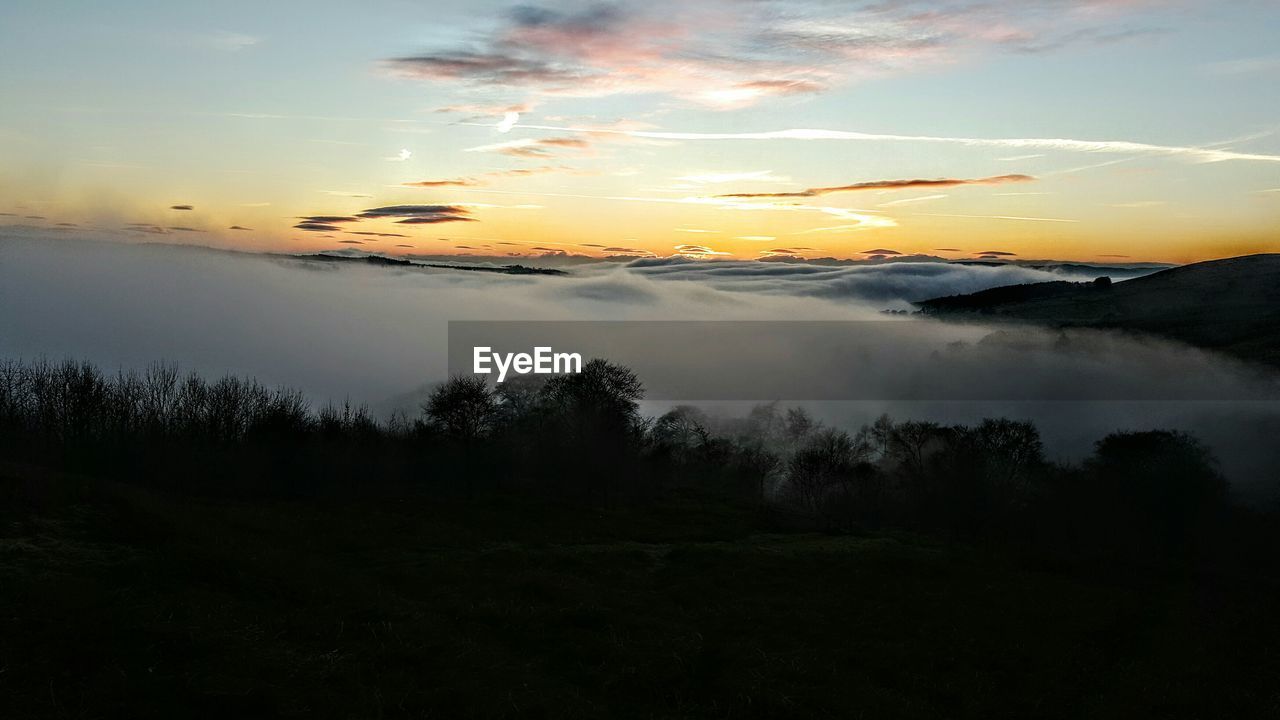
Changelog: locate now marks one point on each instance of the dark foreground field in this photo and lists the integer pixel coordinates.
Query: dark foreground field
(119, 602)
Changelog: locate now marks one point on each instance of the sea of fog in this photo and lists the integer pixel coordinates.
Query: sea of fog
(377, 335)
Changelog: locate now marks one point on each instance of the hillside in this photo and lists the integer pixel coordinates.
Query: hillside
(1230, 305)
(120, 602)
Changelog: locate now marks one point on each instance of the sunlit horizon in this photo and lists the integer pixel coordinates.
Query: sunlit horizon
(1079, 130)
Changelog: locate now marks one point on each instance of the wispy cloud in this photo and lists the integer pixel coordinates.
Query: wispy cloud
(1121, 147)
(317, 226)
(532, 147)
(481, 110)
(912, 201)
(887, 185)
(230, 41)
(699, 251)
(781, 253)
(420, 214)
(727, 54)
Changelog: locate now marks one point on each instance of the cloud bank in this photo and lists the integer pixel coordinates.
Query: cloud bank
(376, 334)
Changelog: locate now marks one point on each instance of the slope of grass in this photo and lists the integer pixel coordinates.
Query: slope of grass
(1230, 305)
(118, 602)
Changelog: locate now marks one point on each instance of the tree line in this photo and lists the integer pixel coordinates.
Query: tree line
(582, 438)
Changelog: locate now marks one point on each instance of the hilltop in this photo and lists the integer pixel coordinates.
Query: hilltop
(1230, 305)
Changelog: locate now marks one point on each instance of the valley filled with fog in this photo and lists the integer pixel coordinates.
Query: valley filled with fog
(377, 335)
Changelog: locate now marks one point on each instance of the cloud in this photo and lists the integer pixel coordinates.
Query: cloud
(487, 110)
(425, 220)
(181, 207)
(317, 227)
(231, 41)
(239, 227)
(997, 253)
(698, 251)
(508, 121)
(420, 214)
(1121, 147)
(912, 201)
(453, 182)
(790, 254)
(880, 251)
(146, 228)
(726, 54)
(329, 218)
(618, 250)
(533, 147)
(887, 185)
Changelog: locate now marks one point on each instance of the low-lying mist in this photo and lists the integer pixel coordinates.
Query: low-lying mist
(377, 335)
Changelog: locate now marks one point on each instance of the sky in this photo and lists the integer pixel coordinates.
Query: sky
(1122, 130)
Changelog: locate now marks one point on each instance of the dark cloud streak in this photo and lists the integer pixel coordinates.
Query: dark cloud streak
(888, 185)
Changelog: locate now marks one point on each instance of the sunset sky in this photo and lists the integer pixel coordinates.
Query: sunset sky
(1066, 129)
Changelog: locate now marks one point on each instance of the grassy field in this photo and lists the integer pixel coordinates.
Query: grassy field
(119, 602)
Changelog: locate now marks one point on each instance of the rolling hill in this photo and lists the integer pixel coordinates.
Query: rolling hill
(1230, 305)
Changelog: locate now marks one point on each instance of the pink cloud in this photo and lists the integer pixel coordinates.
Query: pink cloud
(727, 54)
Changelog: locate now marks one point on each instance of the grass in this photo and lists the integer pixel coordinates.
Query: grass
(119, 602)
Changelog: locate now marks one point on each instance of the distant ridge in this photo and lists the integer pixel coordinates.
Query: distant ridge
(1230, 305)
(380, 260)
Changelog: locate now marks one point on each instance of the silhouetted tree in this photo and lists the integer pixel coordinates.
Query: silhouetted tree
(462, 407)
(831, 476)
(798, 425)
(1164, 484)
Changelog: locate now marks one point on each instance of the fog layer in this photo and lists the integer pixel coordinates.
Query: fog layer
(378, 335)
